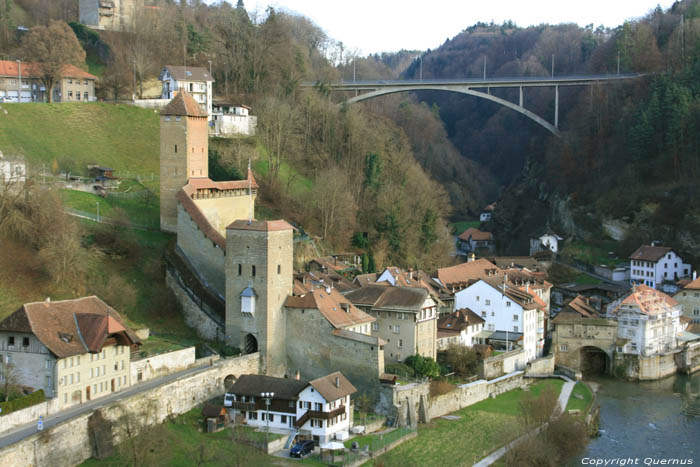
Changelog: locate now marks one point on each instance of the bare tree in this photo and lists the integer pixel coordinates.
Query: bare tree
(52, 48)
(9, 378)
(143, 440)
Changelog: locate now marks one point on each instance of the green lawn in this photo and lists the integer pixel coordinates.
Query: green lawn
(580, 404)
(584, 278)
(188, 444)
(461, 226)
(482, 428)
(594, 254)
(123, 137)
(135, 208)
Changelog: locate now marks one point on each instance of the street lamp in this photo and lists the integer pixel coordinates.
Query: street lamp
(268, 397)
(209, 67)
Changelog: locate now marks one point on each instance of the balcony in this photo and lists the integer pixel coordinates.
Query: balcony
(247, 406)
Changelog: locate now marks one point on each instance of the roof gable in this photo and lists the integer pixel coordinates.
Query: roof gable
(333, 387)
(650, 253)
(183, 105)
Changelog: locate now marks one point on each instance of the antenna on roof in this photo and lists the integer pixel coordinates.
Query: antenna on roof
(250, 195)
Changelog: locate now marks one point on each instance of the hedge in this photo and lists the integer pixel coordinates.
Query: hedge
(23, 402)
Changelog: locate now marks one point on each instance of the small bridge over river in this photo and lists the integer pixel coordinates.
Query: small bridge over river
(369, 89)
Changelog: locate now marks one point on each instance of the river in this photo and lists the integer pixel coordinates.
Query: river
(650, 420)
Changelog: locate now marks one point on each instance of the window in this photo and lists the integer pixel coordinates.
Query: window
(488, 302)
(70, 94)
(400, 343)
(86, 95)
(279, 269)
(396, 329)
(284, 418)
(318, 407)
(477, 298)
(493, 313)
(515, 329)
(563, 347)
(47, 364)
(515, 317)
(11, 341)
(240, 269)
(253, 271)
(252, 415)
(483, 314)
(25, 342)
(375, 327)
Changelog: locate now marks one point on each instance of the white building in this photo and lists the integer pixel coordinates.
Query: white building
(76, 350)
(487, 213)
(657, 267)
(319, 409)
(505, 307)
(648, 319)
(12, 170)
(689, 298)
(195, 80)
(231, 119)
(461, 328)
(547, 241)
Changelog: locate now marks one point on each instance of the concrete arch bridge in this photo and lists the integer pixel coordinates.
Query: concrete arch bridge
(479, 88)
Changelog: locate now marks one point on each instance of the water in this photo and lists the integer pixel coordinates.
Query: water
(647, 421)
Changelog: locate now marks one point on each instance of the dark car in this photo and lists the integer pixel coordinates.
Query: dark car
(301, 449)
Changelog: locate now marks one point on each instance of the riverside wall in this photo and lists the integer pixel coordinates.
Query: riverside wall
(69, 443)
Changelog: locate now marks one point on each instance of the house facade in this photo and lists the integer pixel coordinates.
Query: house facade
(475, 240)
(460, 328)
(318, 409)
(657, 267)
(506, 308)
(12, 170)
(196, 81)
(75, 350)
(549, 241)
(75, 85)
(648, 320)
(689, 298)
(230, 119)
(406, 319)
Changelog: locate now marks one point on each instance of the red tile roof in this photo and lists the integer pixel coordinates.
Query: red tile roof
(70, 327)
(650, 253)
(466, 272)
(337, 309)
(475, 234)
(459, 320)
(9, 68)
(694, 285)
(648, 301)
(266, 226)
(183, 105)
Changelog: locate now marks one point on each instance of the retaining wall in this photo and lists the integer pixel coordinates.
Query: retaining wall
(28, 415)
(159, 365)
(68, 443)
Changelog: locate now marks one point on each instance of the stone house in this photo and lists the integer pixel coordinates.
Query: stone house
(75, 350)
(319, 409)
(475, 240)
(657, 267)
(486, 214)
(394, 276)
(13, 170)
(460, 328)
(75, 84)
(548, 241)
(649, 321)
(583, 343)
(196, 81)
(406, 319)
(689, 298)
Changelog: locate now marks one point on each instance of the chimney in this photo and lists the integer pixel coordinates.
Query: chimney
(471, 258)
(297, 375)
(337, 381)
(48, 299)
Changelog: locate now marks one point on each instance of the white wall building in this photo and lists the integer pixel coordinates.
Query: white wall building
(548, 241)
(12, 170)
(194, 80)
(657, 267)
(648, 319)
(461, 328)
(319, 409)
(230, 119)
(505, 308)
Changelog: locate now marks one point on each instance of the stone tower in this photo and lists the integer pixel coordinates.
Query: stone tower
(184, 152)
(259, 278)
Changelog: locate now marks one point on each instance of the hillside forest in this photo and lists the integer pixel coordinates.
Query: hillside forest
(385, 176)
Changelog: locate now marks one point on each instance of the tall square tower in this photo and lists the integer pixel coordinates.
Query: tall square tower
(184, 152)
(259, 275)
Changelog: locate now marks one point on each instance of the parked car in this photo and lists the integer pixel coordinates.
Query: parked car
(301, 449)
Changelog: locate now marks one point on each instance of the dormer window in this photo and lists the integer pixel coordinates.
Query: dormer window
(248, 297)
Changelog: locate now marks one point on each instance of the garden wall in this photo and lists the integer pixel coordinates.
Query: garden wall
(159, 365)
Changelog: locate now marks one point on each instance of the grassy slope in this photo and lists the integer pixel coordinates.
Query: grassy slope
(123, 137)
(135, 208)
(482, 428)
(579, 404)
(461, 226)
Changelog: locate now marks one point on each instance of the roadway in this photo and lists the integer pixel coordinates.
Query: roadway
(29, 429)
(564, 80)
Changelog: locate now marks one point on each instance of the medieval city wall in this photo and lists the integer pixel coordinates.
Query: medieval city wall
(160, 365)
(645, 368)
(221, 211)
(688, 361)
(205, 255)
(505, 363)
(315, 351)
(541, 366)
(195, 317)
(69, 443)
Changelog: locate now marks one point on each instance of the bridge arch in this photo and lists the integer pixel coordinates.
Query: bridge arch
(462, 90)
(595, 360)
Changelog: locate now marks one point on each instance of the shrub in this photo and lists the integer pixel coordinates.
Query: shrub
(23, 402)
(400, 369)
(423, 366)
(464, 361)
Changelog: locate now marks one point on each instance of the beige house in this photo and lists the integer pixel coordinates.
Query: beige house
(75, 350)
(689, 298)
(406, 318)
(75, 85)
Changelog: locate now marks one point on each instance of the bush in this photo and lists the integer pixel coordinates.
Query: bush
(400, 369)
(423, 366)
(464, 361)
(23, 402)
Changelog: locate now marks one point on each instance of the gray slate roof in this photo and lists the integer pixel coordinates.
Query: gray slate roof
(190, 73)
(253, 385)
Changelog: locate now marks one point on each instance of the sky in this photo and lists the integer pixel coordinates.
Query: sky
(370, 26)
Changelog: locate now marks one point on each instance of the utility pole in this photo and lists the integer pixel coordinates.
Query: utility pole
(19, 88)
(484, 67)
(552, 65)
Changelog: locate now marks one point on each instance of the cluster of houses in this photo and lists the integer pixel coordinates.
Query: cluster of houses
(22, 82)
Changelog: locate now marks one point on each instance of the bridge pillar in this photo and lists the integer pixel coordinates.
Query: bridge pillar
(521, 96)
(556, 107)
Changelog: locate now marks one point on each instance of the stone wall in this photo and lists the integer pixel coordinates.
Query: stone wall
(315, 351)
(69, 442)
(502, 364)
(645, 368)
(194, 316)
(203, 254)
(159, 365)
(541, 366)
(29, 415)
(688, 361)
(221, 211)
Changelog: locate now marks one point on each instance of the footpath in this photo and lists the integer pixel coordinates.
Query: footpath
(563, 400)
